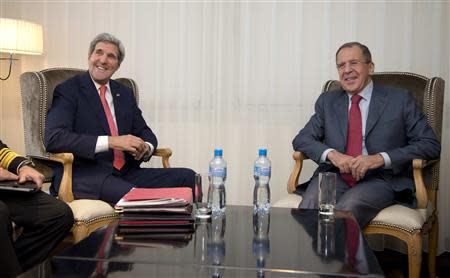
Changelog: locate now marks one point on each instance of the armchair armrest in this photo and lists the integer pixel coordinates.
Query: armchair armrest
(65, 189)
(421, 191)
(165, 154)
(293, 178)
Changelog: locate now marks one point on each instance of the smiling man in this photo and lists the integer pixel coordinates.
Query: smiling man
(368, 134)
(98, 120)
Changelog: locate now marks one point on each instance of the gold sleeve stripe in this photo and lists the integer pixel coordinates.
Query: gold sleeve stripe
(6, 156)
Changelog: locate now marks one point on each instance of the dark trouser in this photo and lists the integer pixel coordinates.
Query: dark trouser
(45, 221)
(118, 184)
(364, 200)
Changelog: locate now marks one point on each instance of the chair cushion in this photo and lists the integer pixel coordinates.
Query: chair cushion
(403, 217)
(86, 210)
(291, 201)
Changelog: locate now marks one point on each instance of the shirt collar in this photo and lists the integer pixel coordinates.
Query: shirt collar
(366, 93)
(97, 85)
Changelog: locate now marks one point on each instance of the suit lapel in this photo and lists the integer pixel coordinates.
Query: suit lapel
(377, 104)
(341, 109)
(90, 93)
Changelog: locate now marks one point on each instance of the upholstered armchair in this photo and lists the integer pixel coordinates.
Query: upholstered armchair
(408, 225)
(37, 94)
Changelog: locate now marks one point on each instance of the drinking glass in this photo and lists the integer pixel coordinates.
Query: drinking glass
(201, 193)
(327, 193)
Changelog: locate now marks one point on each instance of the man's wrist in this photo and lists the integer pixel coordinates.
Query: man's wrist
(379, 160)
(24, 163)
(387, 164)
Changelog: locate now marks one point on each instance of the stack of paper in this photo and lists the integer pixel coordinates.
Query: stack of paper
(177, 200)
(155, 216)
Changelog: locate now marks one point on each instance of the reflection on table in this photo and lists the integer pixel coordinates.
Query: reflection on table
(282, 243)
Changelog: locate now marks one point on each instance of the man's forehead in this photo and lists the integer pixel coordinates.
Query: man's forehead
(351, 52)
(107, 46)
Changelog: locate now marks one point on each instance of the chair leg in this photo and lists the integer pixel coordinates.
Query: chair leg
(414, 255)
(432, 248)
(79, 233)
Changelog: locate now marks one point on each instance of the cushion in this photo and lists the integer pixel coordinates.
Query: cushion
(403, 217)
(86, 210)
(395, 216)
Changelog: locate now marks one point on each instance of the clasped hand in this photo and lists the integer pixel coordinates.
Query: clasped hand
(26, 173)
(356, 166)
(130, 144)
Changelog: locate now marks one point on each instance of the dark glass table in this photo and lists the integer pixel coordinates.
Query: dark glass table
(283, 243)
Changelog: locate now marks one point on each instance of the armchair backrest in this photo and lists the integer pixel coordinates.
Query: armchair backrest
(37, 95)
(429, 94)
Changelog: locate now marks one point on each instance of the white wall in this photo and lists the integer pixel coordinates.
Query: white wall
(238, 75)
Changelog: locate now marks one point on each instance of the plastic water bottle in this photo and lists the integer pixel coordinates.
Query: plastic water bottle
(262, 172)
(218, 174)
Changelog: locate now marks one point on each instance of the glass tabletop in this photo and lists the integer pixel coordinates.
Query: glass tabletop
(283, 243)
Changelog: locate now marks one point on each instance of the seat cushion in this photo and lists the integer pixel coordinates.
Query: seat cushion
(85, 210)
(394, 216)
(403, 217)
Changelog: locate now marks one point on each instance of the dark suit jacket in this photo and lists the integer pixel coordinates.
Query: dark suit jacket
(74, 122)
(395, 125)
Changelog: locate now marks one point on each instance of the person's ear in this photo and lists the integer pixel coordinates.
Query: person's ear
(371, 68)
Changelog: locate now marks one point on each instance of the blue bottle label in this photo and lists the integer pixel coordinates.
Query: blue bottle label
(262, 171)
(218, 172)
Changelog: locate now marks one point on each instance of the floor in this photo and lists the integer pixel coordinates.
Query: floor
(395, 264)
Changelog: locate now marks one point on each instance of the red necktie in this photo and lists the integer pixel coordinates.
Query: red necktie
(351, 241)
(119, 158)
(354, 135)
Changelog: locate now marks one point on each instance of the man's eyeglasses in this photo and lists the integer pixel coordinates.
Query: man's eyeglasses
(352, 64)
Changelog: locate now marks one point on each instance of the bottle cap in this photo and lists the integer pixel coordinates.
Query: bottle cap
(218, 152)
(262, 152)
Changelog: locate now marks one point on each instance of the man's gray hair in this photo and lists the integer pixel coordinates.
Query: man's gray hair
(108, 38)
(365, 50)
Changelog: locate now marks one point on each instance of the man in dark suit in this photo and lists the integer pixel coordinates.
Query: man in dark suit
(97, 119)
(45, 220)
(371, 146)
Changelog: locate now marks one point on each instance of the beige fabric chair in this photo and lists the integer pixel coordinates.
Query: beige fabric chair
(37, 94)
(401, 222)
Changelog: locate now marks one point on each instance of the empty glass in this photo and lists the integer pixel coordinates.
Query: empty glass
(201, 193)
(327, 193)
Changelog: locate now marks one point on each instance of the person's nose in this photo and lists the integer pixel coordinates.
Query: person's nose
(102, 59)
(347, 68)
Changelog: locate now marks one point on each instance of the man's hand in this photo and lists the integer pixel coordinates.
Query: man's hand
(27, 173)
(340, 160)
(6, 175)
(361, 164)
(129, 143)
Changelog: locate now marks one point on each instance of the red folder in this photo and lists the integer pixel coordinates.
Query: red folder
(140, 194)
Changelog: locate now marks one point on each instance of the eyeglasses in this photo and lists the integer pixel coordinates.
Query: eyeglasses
(352, 64)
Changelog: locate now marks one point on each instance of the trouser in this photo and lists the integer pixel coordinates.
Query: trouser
(45, 221)
(364, 200)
